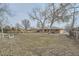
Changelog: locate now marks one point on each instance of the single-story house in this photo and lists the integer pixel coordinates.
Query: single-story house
(53, 30)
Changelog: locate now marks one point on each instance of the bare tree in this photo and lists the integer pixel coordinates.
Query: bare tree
(51, 9)
(26, 24)
(18, 26)
(75, 13)
(6, 28)
(40, 15)
(38, 25)
(4, 11)
(69, 13)
(57, 12)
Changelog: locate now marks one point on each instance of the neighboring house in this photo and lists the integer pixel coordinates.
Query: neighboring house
(61, 31)
(53, 30)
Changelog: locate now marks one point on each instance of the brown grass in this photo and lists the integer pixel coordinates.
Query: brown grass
(29, 44)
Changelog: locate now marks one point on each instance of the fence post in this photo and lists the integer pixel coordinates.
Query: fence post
(76, 35)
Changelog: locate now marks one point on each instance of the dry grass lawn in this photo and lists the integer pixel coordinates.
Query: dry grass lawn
(39, 44)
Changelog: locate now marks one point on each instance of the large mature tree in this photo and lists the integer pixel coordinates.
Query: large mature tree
(71, 12)
(51, 9)
(40, 15)
(64, 12)
(4, 11)
(57, 12)
(74, 14)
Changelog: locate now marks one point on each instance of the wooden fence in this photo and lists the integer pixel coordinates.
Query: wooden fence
(74, 34)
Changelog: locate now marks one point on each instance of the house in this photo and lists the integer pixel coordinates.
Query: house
(46, 30)
(53, 30)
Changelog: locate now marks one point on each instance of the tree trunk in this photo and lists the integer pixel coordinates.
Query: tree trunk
(72, 25)
(52, 18)
(2, 34)
(73, 22)
(42, 27)
(50, 27)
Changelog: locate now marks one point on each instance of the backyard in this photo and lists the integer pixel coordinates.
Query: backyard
(39, 44)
